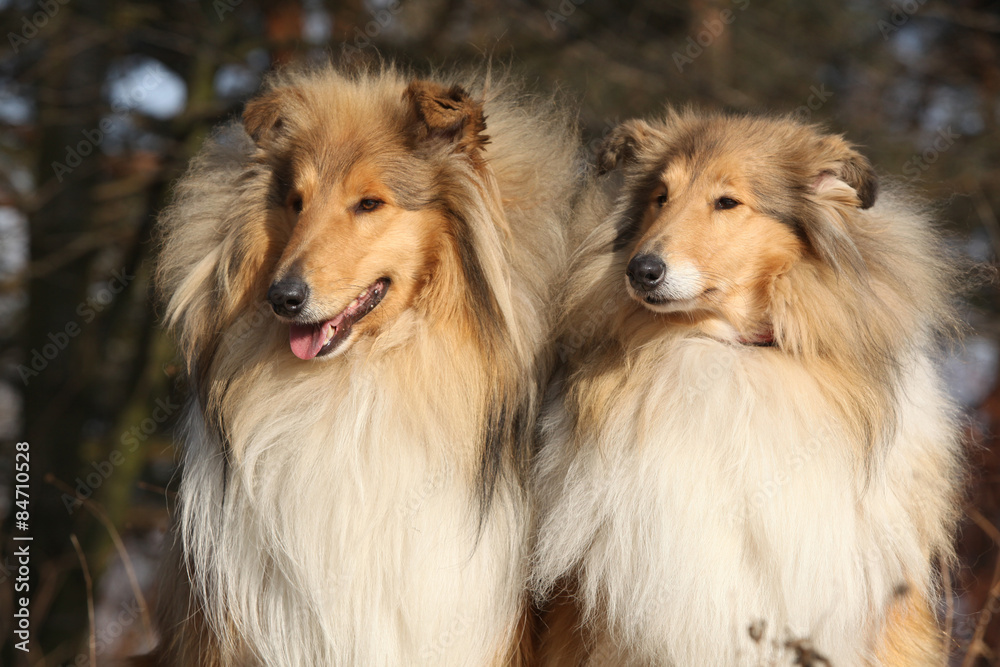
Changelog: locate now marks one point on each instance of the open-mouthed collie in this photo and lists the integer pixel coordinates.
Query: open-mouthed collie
(750, 458)
(359, 278)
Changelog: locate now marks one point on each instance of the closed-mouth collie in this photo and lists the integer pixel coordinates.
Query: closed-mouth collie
(750, 458)
(358, 276)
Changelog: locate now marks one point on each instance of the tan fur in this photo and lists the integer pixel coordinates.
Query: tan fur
(911, 636)
(761, 439)
(562, 638)
(366, 507)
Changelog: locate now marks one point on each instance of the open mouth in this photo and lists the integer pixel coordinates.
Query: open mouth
(309, 341)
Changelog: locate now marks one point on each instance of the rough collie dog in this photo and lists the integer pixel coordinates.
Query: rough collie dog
(359, 278)
(750, 458)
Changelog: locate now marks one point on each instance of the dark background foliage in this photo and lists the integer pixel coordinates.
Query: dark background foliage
(102, 102)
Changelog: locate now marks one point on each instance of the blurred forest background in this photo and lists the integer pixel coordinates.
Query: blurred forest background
(102, 102)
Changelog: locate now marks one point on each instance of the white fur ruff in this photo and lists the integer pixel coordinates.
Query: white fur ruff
(719, 492)
(345, 536)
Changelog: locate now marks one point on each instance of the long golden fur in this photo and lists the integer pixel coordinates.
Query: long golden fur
(750, 450)
(352, 487)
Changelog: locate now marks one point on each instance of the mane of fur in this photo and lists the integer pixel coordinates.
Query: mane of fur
(877, 285)
(329, 511)
(689, 488)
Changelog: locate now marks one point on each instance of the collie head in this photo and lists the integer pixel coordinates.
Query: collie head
(359, 219)
(766, 231)
(353, 216)
(355, 184)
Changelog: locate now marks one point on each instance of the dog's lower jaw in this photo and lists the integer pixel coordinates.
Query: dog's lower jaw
(668, 305)
(660, 301)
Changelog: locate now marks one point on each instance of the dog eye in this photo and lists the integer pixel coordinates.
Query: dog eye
(661, 201)
(725, 203)
(369, 205)
(295, 202)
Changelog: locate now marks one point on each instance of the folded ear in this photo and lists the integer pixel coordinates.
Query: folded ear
(843, 181)
(263, 116)
(623, 144)
(858, 172)
(845, 166)
(447, 115)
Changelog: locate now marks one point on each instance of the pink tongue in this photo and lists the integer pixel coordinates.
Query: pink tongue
(308, 339)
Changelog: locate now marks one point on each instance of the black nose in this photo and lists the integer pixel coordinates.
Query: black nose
(288, 296)
(645, 272)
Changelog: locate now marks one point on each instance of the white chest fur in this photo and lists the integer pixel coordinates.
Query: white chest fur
(720, 491)
(347, 531)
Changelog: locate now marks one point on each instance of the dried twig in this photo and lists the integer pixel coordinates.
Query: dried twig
(96, 510)
(163, 491)
(949, 601)
(977, 647)
(90, 597)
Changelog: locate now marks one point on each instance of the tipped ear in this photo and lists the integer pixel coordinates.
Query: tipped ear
(263, 115)
(447, 114)
(847, 167)
(845, 182)
(858, 172)
(623, 144)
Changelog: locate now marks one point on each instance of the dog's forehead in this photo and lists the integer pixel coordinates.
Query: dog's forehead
(361, 162)
(338, 113)
(714, 166)
(332, 148)
(702, 139)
